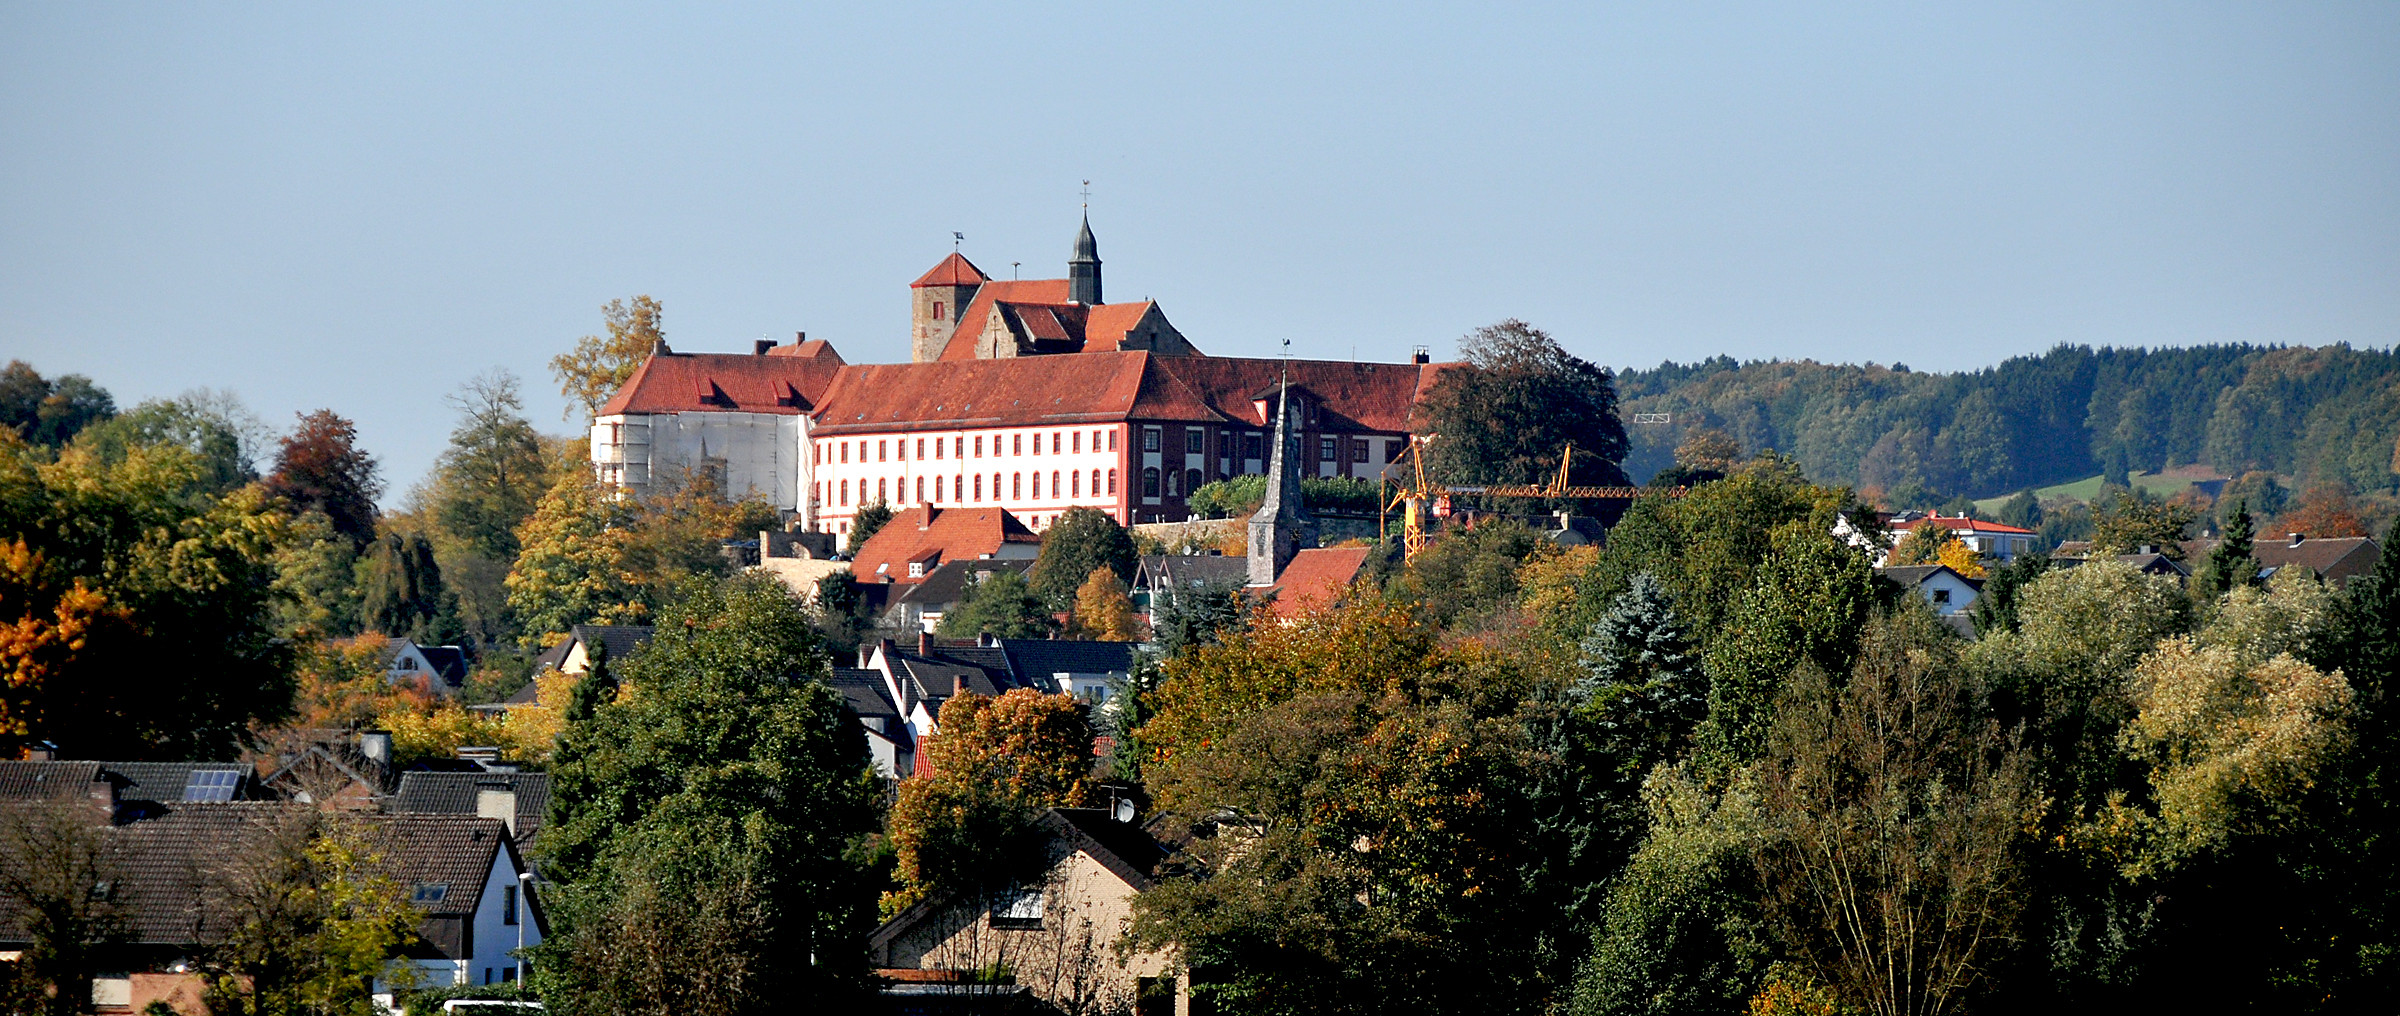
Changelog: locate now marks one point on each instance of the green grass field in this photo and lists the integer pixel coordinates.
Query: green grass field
(2088, 487)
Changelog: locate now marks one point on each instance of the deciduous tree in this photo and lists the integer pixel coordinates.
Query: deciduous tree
(1001, 605)
(1508, 414)
(1079, 540)
(963, 825)
(1104, 609)
(320, 466)
(590, 374)
(487, 482)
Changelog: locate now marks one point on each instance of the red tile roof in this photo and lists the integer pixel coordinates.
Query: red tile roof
(1971, 525)
(1315, 579)
(954, 270)
(787, 384)
(971, 320)
(1104, 330)
(1033, 391)
(955, 534)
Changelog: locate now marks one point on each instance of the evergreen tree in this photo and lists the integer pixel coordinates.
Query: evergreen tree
(2230, 563)
(1996, 606)
(870, 520)
(1186, 616)
(2023, 511)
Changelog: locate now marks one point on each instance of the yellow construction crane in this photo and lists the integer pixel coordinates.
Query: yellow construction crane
(1419, 499)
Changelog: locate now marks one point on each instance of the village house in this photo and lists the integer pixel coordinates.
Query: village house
(1039, 399)
(441, 670)
(1987, 539)
(1055, 938)
(179, 859)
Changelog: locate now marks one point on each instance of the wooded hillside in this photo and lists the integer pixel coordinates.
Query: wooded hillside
(2321, 414)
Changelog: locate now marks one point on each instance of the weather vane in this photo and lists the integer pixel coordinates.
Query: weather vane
(956, 238)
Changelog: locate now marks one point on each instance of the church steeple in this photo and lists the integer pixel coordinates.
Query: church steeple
(1083, 270)
(1282, 525)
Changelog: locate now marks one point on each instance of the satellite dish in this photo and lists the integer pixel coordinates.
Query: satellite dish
(1123, 811)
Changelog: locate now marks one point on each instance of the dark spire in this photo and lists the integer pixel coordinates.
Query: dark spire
(1083, 270)
(1282, 524)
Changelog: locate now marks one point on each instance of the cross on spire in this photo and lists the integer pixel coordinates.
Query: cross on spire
(1087, 195)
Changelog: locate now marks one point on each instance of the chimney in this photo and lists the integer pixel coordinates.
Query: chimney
(2297, 537)
(497, 800)
(376, 745)
(41, 751)
(924, 643)
(958, 684)
(1420, 355)
(2146, 548)
(799, 338)
(760, 347)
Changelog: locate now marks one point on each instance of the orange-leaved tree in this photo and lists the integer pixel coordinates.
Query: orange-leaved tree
(44, 627)
(964, 822)
(1104, 610)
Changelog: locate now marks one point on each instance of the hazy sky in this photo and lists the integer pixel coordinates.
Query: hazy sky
(358, 207)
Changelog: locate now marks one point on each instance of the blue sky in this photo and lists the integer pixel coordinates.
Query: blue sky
(361, 206)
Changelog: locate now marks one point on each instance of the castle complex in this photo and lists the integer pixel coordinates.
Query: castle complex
(1031, 395)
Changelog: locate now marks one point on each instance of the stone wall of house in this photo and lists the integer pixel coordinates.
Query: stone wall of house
(1069, 961)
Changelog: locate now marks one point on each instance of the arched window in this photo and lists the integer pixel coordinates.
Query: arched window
(881, 488)
(845, 492)
(958, 488)
(937, 490)
(1112, 481)
(920, 488)
(1016, 486)
(1076, 478)
(979, 486)
(1054, 484)
(1150, 481)
(1191, 480)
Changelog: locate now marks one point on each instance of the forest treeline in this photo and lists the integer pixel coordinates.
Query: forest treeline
(2318, 415)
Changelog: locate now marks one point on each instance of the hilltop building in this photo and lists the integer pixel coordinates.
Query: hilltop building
(1032, 396)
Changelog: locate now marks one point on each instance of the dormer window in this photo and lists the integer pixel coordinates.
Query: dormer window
(916, 569)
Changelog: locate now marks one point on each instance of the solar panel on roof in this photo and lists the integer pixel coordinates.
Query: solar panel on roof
(211, 785)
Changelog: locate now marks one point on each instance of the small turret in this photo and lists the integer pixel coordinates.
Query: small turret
(1083, 270)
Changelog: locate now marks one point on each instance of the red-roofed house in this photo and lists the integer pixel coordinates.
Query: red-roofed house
(1315, 580)
(920, 539)
(1990, 539)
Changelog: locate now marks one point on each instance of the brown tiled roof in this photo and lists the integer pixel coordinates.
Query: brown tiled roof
(1032, 391)
(727, 382)
(48, 781)
(456, 794)
(956, 534)
(166, 867)
(2332, 558)
(1315, 578)
(979, 310)
(954, 270)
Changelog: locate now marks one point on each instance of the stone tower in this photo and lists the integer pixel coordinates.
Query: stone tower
(1083, 270)
(935, 301)
(1282, 525)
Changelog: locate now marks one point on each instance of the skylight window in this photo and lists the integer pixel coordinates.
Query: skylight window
(430, 892)
(211, 785)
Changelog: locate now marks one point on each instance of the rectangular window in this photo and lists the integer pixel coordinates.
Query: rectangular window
(937, 310)
(1078, 442)
(1195, 441)
(1055, 437)
(1325, 449)
(1016, 445)
(816, 454)
(883, 450)
(1024, 912)
(845, 450)
(1037, 444)
(1251, 444)
(979, 446)
(1149, 439)
(508, 904)
(1358, 450)
(958, 448)
(1112, 441)
(921, 449)
(1391, 450)
(937, 449)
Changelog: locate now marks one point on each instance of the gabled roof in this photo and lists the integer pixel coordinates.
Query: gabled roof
(1189, 569)
(1106, 326)
(1959, 525)
(49, 781)
(1028, 658)
(948, 583)
(2331, 558)
(865, 692)
(979, 310)
(954, 270)
(783, 384)
(1099, 387)
(1315, 579)
(621, 639)
(167, 866)
(1914, 575)
(957, 534)
(1126, 851)
(455, 794)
